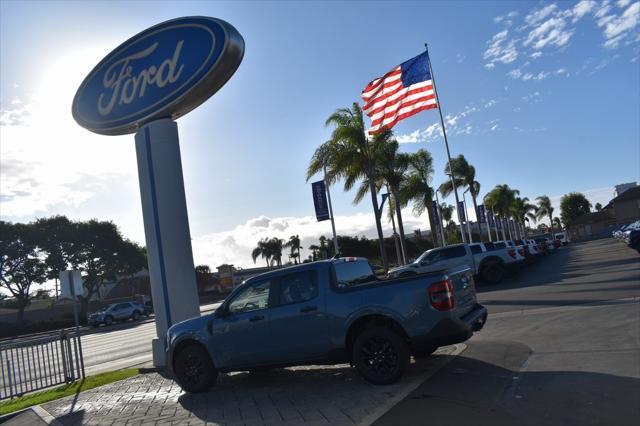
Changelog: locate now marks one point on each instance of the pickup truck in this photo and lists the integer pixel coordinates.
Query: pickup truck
(487, 264)
(327, 312)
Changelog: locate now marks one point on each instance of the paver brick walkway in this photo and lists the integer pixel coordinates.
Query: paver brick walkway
(315, 395)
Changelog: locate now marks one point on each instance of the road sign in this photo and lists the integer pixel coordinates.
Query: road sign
(66, 290)
(164, 71)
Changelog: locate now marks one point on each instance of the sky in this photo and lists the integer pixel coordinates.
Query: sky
(543, 96)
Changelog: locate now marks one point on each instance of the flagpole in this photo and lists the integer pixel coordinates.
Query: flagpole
(333, 224)
(446, 143)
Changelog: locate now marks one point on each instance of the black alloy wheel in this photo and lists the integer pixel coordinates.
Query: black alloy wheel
(135, 316)
(492, 273)
(108, 320)
(380, 355)
(194, 370)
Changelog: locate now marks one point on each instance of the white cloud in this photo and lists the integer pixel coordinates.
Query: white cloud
(617, 27)
(550, 32)
(515, 74)
(538, 15)
(535, 55)
(500, 49)
(235, 246)
(561, 71)
(582, 8)
(623, 3)
(429, 134)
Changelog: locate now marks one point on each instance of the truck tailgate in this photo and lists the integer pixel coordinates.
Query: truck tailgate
(464, 290)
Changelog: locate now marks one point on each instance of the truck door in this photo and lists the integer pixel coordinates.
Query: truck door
(299, 327)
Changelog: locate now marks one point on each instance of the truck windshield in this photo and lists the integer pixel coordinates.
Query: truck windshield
(350, 274)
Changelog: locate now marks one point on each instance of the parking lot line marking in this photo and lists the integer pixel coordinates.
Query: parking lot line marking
(413, 385)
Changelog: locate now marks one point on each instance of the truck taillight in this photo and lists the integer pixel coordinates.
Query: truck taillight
(441, 295)
(521, 251)
(512, 253)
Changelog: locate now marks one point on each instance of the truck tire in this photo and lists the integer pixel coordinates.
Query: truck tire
(108, 320)
(492, 273)
(135, 316)
(193, 369)
(380, 355)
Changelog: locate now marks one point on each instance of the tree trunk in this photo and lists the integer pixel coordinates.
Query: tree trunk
(376, 212)
(504, 235)
(403, 247)
(22, 304)
(432, 224)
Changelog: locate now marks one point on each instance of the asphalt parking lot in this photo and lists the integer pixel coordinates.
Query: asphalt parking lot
(562, 346)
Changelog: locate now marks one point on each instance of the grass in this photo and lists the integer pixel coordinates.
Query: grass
(41, 397)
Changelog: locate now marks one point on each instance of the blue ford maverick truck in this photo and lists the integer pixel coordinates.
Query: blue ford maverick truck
(326, 312)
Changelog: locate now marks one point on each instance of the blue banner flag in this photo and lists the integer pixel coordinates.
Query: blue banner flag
(490, 219)
(436, 217)
(320, 200)
(381, 208)
(480, 213)
(461, 215)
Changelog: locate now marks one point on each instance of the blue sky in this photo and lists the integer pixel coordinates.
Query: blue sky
(543, 96)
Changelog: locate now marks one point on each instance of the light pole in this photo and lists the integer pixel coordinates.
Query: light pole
(466, 214)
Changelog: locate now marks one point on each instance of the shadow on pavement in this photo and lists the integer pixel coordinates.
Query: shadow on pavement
(485, 386)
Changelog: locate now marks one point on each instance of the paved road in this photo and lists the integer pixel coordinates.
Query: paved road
(561, 347)
(105, 349)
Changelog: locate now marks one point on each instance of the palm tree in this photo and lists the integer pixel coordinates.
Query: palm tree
(315, 252)
(275, 248)
(557, 223)
(500, 199)
(351, 156)
(294, 246)
(391, 169)
(464, 176)
(520, 208)
(416, 188)
(544, 209)
(262, 250)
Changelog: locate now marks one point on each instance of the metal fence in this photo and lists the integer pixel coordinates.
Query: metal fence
(39, 363)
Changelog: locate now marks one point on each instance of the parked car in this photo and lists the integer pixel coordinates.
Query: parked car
(117, 312)
(546, 244)
(487, 265)
(516, 255)
(562, 237)
(326, 312)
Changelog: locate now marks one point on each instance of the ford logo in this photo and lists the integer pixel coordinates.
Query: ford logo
(162, 72)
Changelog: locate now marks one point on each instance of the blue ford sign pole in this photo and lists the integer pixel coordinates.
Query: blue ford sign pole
(141, 87)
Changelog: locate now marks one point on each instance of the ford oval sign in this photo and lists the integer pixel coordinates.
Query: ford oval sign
(163, 72)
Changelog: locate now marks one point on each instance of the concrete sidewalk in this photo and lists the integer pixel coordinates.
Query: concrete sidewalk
(315, 395)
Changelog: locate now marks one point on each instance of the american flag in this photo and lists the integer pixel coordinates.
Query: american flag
(402, 92)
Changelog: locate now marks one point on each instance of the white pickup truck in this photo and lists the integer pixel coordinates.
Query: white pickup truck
(486, 261)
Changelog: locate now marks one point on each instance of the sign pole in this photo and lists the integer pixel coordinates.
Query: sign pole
(75, 317)
(166, 228)
(446, 144)
(333, 224)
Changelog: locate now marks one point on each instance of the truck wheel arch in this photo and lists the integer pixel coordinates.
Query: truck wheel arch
(372, 320)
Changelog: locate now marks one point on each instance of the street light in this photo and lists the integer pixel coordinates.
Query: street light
(464, 203)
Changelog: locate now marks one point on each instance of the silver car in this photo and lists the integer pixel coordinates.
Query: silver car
(117, 312)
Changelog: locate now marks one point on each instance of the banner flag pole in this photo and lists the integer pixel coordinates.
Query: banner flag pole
(333, 224)
(446, 143)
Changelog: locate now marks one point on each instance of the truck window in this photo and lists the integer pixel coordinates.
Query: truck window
(298, 287)
(453, 252)
(489, 246)
(475, 249)
(499, 246)
(251, 298)
(351, 274)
